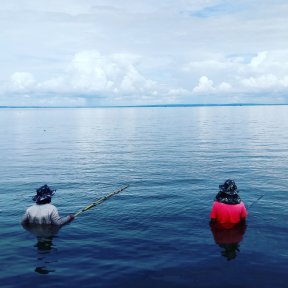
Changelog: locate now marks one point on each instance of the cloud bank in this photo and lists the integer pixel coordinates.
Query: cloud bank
(111, 53)
(118, 78)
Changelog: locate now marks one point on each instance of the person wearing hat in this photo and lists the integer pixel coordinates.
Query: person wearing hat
(228, 209)
(43, 212)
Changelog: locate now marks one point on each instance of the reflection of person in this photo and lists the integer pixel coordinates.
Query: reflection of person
(228, 239)
(228, 208)
(44, 245)
(43, 212)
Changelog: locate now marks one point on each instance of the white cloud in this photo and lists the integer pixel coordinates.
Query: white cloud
(90, 71)
(91, 74)
(204, 85)
(258, 59)
(134, 82)
(224, 86)
(267, 70)
(22, 82)
(264, 82)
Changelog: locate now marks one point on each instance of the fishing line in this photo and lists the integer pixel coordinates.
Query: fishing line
(255, 201)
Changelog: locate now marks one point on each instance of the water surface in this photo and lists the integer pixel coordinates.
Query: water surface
(156, 232)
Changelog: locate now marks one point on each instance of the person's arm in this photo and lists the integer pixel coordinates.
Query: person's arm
(57, 220)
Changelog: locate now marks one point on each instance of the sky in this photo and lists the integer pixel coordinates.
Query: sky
(143, 52)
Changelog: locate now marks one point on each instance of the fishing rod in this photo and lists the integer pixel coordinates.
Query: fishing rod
(100, 200)
(255, 201)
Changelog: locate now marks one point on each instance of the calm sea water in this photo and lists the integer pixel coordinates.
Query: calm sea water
(156, 232)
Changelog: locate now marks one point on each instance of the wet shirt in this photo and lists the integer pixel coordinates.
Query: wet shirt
(228, 215)
(44, 214)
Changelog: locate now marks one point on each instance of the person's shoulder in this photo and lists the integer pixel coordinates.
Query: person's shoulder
(31, 207)
(241, 205)
(51, 206)
(47, 206)
(218, 204)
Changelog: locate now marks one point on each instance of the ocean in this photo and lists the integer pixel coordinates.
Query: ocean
(156, 232)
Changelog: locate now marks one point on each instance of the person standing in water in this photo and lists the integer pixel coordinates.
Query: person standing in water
(228, 209)
(43, 212)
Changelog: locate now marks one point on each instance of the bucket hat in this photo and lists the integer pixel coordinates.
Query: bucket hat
(229, 187)
(43, 193)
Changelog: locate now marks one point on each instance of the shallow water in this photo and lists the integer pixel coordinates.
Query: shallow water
(156, 232)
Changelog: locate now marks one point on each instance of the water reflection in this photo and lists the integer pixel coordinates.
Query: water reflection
(44, 235)
(228, 239)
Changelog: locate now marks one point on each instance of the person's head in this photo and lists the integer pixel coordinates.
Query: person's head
(229, 187)
(44, 195)
(228, 193)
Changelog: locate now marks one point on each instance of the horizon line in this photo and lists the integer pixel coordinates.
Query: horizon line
(144, 105)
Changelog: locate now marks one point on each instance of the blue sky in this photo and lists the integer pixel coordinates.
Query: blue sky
(137, 52)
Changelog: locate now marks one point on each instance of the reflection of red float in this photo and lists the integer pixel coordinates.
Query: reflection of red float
(228, 236)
